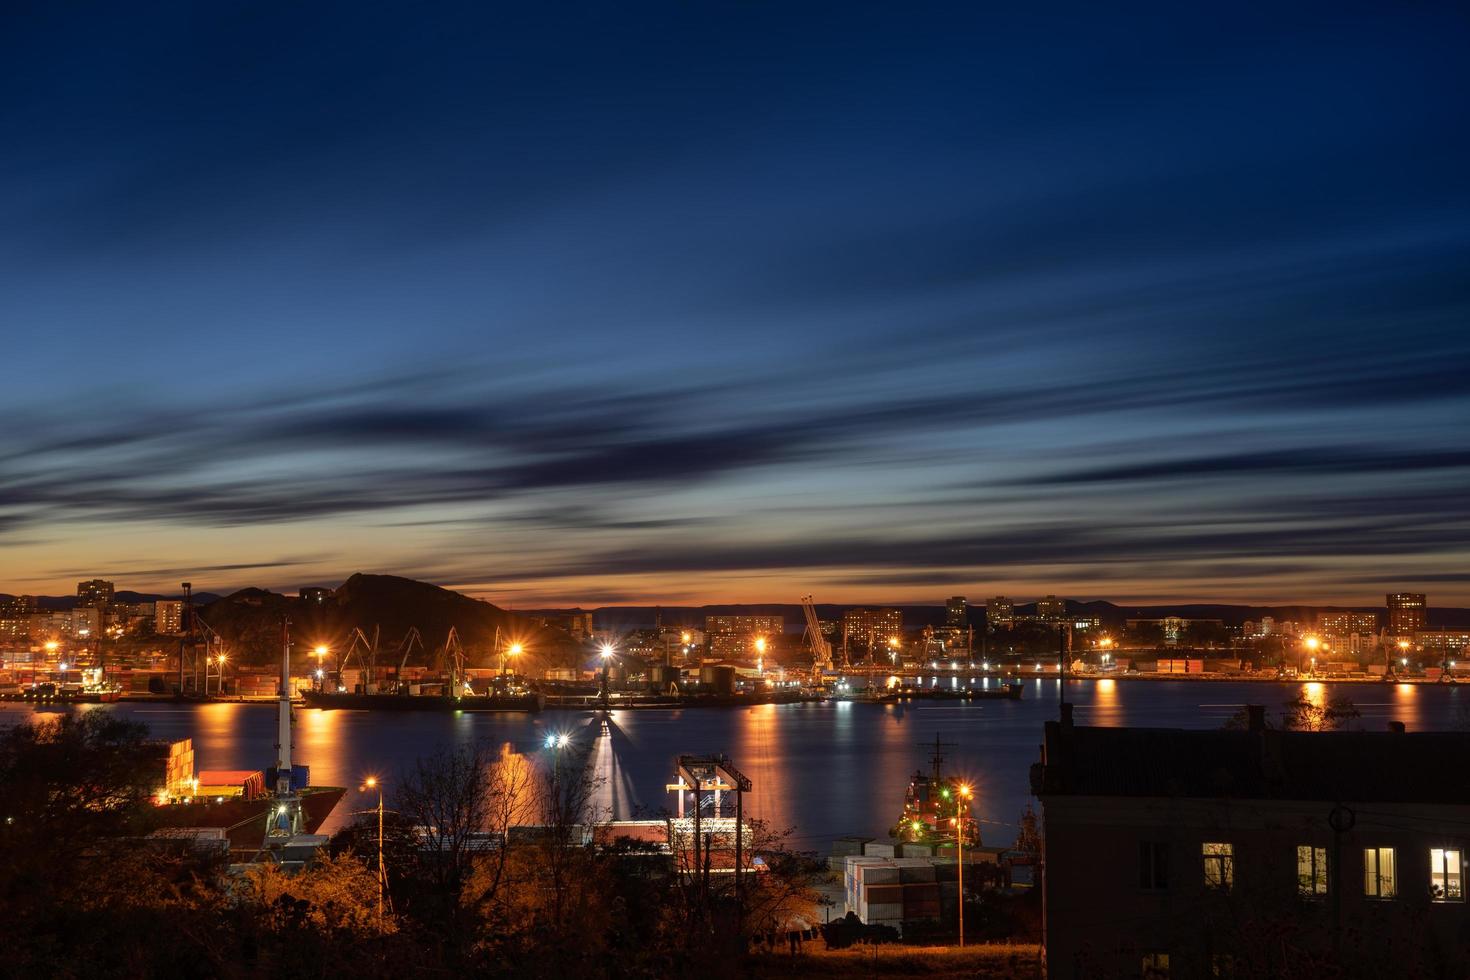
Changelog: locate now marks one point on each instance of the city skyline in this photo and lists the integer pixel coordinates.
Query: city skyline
(738, 304)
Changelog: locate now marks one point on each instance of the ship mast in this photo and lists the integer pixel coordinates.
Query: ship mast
(283, 714)
(286, 818)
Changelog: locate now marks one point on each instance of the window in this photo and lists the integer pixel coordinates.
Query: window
(1155, 966)
(1311, 870)
(1446, 875)
(1378, 878)
(1153, 865)
(1219, 866)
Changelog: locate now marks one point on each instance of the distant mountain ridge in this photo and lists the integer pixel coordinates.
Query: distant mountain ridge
(363, 595)
(1111, 614)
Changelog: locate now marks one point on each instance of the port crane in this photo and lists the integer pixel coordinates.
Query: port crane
(366, 652)
(410, 639)
(452, 659)
(821, 649)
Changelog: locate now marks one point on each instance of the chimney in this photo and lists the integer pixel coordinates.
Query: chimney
(1397, 727)
(1066, 714)
(1257, 715)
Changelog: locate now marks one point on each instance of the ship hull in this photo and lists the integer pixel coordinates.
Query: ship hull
(423, 702)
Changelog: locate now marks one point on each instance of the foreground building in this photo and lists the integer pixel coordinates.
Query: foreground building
(1253, 852)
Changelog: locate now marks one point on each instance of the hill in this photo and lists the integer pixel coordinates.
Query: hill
(249, 621)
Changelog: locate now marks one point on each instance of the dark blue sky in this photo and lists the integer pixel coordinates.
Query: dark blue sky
(697, 301)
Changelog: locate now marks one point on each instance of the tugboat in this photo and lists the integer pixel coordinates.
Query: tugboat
(937, 807)
(274, 809)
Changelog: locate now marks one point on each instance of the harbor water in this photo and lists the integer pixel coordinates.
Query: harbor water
(825, 770)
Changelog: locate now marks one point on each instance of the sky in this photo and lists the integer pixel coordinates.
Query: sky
(700, 302)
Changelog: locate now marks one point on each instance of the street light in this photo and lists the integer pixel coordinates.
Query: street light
(607, 653)
(961, 803)
(514, 650)
(372, 783)
(221, 683)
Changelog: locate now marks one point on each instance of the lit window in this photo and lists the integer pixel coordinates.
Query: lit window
(1219, 866)
(1311, 870)
(1446, 875)
(1378, 876)
(1153, 865)
(1155, 966)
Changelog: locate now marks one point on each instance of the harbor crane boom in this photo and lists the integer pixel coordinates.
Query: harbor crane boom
(821, 649)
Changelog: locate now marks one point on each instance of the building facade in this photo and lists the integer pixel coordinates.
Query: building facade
(877, 626)
(1407, 613)
(1443, 643)
(168, 617)
(1341, 624)
(999, 611)
(957, 613)
(94, 592)
(1050, 609)
(1252, 852)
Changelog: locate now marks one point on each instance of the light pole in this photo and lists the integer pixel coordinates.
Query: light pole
(372, 783)
(607, 654)
(514, 650)
(220, 684)
(319, 651)
(962, 802)
(760, 656)
(1312, 643)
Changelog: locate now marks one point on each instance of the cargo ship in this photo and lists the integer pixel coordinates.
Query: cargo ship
(507, 692)
(49, 692)
(937, 807)
(274, 809)
(1006, 692)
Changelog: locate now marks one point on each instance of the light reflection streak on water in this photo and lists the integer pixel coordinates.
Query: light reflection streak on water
(830, 769)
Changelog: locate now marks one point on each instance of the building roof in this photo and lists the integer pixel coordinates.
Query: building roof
(1346, 766)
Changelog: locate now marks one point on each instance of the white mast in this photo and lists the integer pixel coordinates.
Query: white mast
(283, 715)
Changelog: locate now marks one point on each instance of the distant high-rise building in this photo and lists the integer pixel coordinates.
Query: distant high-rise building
(15, 618)
(1343, 624)
(957, 612)
(18, 606)
(1406, 613)
(875, 625)
(744, 625)
(1051, 609)
(168, 617)
(1000, 611)
(96, 592)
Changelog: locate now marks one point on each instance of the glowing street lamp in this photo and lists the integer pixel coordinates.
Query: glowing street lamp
(367, 784)
(606, 652)
(514, 650)
(961, 804)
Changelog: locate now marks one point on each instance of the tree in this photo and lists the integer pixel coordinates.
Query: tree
(1028, 838)
(1306, 715)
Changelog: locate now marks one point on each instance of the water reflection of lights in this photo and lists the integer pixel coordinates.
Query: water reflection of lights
(1315, 692)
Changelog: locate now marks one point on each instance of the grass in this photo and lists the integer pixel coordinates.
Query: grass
(937, 962)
